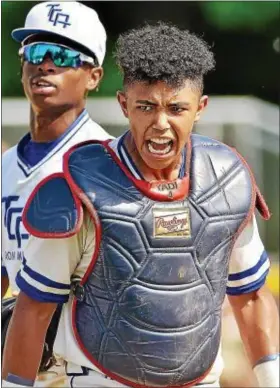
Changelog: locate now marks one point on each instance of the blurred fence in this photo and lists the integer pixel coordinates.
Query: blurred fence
(249, 124)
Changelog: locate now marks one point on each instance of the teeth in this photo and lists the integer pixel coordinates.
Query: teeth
(160, 140)
(43, 84)
(159, 152)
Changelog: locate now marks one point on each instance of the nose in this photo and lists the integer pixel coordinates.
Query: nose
(161, 122)
(47, 66)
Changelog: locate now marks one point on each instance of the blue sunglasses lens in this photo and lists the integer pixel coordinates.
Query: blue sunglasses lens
(61, 56)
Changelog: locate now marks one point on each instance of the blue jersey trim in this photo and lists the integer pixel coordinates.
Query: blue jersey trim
(57, 145)
(17, 380)
(270, 357)
(250, 271)
(38, 295)
(23, 170)
(183, 165)
(43, 279)
(4, 271)
(122, 150)
(254, 286)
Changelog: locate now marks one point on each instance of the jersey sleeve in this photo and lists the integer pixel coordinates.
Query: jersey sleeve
(49, 264)
(249, 262)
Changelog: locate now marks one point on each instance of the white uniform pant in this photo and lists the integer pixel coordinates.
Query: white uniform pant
(98, 380)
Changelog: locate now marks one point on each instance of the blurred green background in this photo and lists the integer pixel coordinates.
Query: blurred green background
(243, 35)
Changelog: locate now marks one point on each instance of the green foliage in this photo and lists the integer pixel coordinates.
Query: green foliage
(242, 19)
(13, 16)
(236, 15)
(112, 80)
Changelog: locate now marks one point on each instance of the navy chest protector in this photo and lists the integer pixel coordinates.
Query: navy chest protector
(148, 310)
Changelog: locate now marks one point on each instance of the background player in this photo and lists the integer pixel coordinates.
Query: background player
(61, 62)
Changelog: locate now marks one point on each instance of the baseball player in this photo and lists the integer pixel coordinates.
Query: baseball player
(148, 233)
(61, 62)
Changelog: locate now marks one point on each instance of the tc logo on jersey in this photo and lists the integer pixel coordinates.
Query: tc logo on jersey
(12, 219)
(57, 17)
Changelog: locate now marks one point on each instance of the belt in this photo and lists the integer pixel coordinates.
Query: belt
(78, 370)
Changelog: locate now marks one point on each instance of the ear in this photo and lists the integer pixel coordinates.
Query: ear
(123, 102)
(21, 70)
(201, 106)
(96, 75)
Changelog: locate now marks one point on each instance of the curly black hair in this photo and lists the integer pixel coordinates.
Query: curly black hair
(163, 52)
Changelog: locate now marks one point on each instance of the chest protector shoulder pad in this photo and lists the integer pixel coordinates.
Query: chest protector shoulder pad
(148, 310)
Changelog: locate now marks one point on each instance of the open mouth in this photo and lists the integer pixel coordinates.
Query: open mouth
(160, 146)
(42, 85)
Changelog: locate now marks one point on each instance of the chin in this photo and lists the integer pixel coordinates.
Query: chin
(158, 164)
(42, 102)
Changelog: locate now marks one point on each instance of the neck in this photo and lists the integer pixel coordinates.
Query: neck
(49, 125)
(169, 173)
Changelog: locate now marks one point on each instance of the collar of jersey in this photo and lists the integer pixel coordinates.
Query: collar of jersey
(127, 160)
(56, 146)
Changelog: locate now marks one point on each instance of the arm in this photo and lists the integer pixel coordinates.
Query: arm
(258, 321)
(4, 279)
(44, 281)
(257, 317)
(253, 305)
(25, 340)
(4, 285)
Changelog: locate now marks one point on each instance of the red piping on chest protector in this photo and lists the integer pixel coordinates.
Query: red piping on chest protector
(164, 190)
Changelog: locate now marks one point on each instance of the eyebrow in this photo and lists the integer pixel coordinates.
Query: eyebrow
(147, 102)
(179, 103)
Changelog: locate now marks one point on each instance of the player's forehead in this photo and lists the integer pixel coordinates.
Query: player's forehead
(160, 92)
(49, 38)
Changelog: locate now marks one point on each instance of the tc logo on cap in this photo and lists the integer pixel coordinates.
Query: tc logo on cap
(57, 17)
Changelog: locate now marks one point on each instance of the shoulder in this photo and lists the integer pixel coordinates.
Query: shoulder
(212, 156)
(212, 146)
(9, 155)
(92, 130)
(203, 141)
(215, 155)
(249, 262)
(10, 169)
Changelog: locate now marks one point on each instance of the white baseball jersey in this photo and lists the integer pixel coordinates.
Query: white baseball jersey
(51, 265)
(19, 179)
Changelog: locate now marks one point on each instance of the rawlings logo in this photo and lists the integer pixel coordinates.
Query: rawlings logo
(171, 222)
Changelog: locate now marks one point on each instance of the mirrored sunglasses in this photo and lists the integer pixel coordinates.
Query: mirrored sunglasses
(62, 56)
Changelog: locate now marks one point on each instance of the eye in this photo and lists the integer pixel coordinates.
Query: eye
(176, 109)
(145, 108)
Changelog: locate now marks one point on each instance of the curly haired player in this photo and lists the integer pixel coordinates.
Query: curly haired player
(142, 237)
